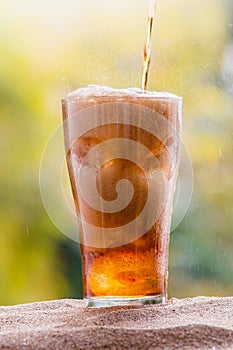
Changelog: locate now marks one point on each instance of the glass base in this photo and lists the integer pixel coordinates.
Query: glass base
(111, 301)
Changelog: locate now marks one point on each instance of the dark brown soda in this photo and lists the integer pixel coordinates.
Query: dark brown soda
(139, 268)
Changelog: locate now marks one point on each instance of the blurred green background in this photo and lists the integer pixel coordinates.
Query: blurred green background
(48, 48)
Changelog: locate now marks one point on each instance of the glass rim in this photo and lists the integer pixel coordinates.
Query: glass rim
(120, 97)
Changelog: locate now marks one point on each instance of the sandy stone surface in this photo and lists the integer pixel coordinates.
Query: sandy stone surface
(198, 323)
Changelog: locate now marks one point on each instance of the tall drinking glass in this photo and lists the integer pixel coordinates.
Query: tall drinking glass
(122, 150)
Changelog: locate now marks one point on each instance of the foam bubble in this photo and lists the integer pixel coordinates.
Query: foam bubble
(106, 91)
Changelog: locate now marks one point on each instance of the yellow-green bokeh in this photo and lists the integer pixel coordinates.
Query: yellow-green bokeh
(50, 48)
